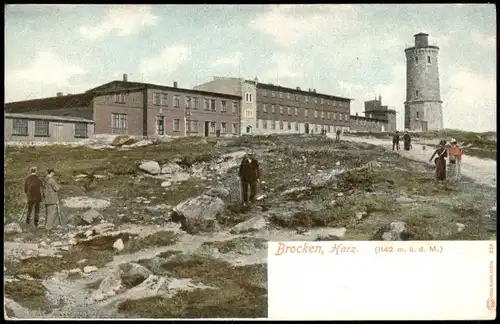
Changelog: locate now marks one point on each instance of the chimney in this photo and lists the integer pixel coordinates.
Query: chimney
(125, 77)
(60, 94)
(314, 90)
(298, 88)
(356, 114)
(309, 89)
(175, 84)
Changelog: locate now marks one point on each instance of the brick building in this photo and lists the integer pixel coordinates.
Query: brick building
(268, 108)
(142, 109)
(375, 109)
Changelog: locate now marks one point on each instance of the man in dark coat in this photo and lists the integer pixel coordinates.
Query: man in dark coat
(395, 141)
(249, 175)
(407, 141)
(337, 137)
(33, 190)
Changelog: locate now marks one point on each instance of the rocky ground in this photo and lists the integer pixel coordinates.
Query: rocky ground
(155, 230)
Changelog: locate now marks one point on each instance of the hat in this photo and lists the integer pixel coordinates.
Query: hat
(453, 141)
(49, 171)
(442, 142)
(33, 169)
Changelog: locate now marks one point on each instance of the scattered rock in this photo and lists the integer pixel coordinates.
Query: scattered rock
(361, 215)
(166, 184)
(460, 227)
(91, 216)
(122, 140)
(75, 272)
(151, 167)
(102, 228)
(118, 245)
(218, 192)
(171, 168)
(12, 229)
(86, 202)
(111, 284)
(198, 214)
(133, 274)
(404, 200)
(89, 269)
(395, 232)
(322, 179)
(253, 224)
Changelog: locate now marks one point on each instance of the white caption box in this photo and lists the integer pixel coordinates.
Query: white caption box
(340, 280)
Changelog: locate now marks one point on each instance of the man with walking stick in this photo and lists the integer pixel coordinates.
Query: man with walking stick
(249, 175)
(51, 200)
(33, 190)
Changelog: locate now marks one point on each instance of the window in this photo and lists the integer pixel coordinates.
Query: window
(119, 98)
(264, 108)
(289, 111)
(281, 109)
(119, 123)
(306, 112)
(315, 113)
(306, 98)
(316, 128)
(328, 115)
(273, 124)
(289, 125)
(296, 111)
(264, 124)
(264, 93)
(322, 115)
(315, 100)
(273, 109)
(288, 96)
(416, 93)
(223, 128)
(257, 124)
(296, 126)
(195, 103)
(322, 101)
(176, 125)
(334, 116)
(188, 102)
(416, 59)
(223, 106)
(160, 125)
(281, 124)
(296, 98)
(328, 102)
(346, 117)
(212, 127)
(156, 98)
(20, 127)
(81, 130)
(164, 99)
(212, 105)
(418, 115)
(248, 97)
(235, 107)
(428, 59)
(235, 129)
(273, 94)
(41, 128)
(281, 95)
(207, 104)
(248, 113)
(193, 126)
(177, 101)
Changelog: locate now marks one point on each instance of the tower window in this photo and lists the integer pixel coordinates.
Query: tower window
(416, 59)
(418, 115)
(416, 93)
(429, 59)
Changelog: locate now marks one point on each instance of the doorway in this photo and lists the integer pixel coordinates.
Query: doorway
(207, 125)
(160, 125)
(58, 133)
(306, 127)
(249, 129)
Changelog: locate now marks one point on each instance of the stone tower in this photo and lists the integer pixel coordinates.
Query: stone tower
(423, 105)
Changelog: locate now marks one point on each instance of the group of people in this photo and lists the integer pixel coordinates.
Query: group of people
(453, 153)
(406, 141)
(37, 191)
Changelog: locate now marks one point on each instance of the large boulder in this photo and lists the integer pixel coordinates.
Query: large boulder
(12, 229)
(151, 167)
(198, 214)
(133, 274)
(90, 216)
(171, 168)
(324, 179)
(251, 225)
(122, 140)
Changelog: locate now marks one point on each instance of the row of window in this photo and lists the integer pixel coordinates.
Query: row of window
(296, 97)
(428, 60)
(161, 99)
(295, 111)
(368, 122)
(20, 128)
(193, 126)
(282, 125)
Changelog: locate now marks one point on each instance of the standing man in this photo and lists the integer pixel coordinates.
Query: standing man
(407, 141)
(455, 160)
(395, 141)
(33, 190)
(217, 132)
(51, 199)
(249, 175)
(337, 135)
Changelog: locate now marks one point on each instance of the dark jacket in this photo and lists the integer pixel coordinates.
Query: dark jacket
(395, 138)
(338, 131)
(33, 188)
(249, 171)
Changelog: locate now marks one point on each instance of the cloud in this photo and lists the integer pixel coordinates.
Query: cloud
(282, 68)
(232, 60)
(487, 42)
(288, 24)
(166, 62)
(45, 75)
(124, 19)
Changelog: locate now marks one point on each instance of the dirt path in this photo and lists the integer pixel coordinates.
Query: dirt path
(482, 171)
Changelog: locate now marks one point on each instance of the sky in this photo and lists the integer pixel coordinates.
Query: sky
(354, 51)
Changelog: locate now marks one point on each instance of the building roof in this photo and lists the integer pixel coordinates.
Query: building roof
(271, 86)
(82, 99)
(47, 117)
(140, 85)
(368, 118)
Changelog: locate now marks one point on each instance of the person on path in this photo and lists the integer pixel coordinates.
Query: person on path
(337, 137)
(455, 160)
(249, 174)
(395, 141)
(440, 161)
(51, 199)
(33, 190)
(407, 141)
